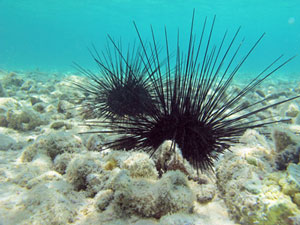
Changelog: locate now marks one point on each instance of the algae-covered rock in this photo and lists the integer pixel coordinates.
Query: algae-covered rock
(45, 177)
(26, 172)
(111, 164)
(289, 155)
(287, 148)
(282, 139)
(61, 162)
(253, 185)
(52, 202)
(63, 106)
(29, 153)
(166, 159)
(287, 187)
(206, 193)
(254, 195)
(2, 91)
(3, 121)
(80, 167)
(57, 125)
(292, 110)
(95, 142)
(253, 138)
(7, 142)
(140, 165)
(12, 80)
(27, 85)
(293, 177)
(278, 212)
(24, 120)
(150, 198)
(96, 181)
(52, 145)
(9, 103)
(39, 107)
(296, 199)
(103, 198)
(34, 100)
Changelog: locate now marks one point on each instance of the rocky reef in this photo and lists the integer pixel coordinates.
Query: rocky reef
(51, 171)
(254, 191)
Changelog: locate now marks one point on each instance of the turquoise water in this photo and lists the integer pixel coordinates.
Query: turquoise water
(50, 35)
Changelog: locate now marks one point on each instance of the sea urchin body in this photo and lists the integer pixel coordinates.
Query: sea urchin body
(121, 90)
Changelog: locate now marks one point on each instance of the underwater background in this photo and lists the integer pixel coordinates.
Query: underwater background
(49, 35)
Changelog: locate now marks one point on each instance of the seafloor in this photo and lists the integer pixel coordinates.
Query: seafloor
(52, 174)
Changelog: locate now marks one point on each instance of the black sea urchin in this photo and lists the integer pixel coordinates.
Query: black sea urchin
(195, 107)
(122, 89)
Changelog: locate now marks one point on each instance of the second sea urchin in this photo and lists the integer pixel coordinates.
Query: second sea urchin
(195, 107)
(122, 89)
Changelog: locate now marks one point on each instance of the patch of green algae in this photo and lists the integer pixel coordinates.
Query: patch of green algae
(280, 211)
(276, 201)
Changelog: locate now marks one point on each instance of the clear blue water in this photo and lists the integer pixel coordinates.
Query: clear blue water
(49, 35)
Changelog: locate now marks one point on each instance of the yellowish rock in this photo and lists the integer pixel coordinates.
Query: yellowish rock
(111, 164)
(280, 211)
(297, 199)
(139, 164)
(289, 189)
(252, 160)
(275, 176)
